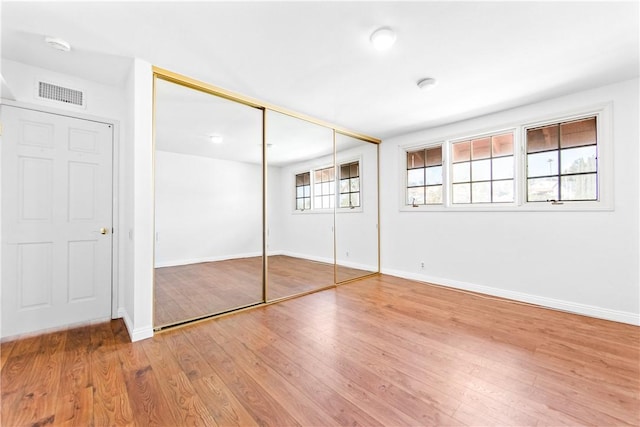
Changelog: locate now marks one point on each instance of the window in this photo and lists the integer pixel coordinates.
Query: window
(424, 176)
(324, 188)
(350, 185)
(303, 191)
(562, 162)
(482, 170)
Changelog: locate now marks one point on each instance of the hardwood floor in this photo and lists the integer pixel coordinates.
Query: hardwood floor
(190, 291)
(382, 351)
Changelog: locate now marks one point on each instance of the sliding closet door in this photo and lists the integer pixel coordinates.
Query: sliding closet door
(208, 200)
(301, 203)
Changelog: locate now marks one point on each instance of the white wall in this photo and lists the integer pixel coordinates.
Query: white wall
(584, 262)
(206, 209)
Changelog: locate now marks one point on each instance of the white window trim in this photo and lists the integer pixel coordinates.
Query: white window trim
(605, 161)
(603, 112)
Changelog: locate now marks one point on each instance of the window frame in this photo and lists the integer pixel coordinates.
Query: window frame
(604, 145)
(348, 160)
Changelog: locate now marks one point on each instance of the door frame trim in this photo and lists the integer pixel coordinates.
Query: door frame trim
(115, 188)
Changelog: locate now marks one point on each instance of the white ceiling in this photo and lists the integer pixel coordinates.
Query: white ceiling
(315, 57)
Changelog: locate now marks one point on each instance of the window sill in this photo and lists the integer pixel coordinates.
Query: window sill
(525, 207)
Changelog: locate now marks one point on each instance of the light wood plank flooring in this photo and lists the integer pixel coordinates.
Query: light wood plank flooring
(190, 291)
(382, 351)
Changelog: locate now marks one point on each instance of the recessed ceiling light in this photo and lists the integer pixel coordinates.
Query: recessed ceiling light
(216, 139)
(383, 38)
(426, 83)
(58, 44)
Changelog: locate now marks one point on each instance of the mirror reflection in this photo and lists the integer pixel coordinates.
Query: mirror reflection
(208, 212)
(301, 198)
(357, 210)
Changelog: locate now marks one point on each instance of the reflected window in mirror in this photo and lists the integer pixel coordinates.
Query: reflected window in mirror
(350, 185)
(303, 191)
(324, 188)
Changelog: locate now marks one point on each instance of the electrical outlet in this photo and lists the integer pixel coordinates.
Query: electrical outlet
(347, 253)
(422, 264)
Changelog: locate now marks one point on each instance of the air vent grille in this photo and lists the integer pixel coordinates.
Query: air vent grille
(61, 94)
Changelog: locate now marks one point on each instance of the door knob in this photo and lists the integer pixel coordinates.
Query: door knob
(103, 230)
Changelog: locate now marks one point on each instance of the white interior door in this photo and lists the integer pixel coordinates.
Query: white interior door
(56, 205)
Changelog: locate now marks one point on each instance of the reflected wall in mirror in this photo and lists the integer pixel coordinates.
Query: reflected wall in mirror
(208, 204)
(357, 210)
(300, 206)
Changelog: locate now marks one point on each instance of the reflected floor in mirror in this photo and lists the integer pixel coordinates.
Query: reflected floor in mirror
(190, 291)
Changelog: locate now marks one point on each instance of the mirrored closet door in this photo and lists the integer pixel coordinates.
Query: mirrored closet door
(301, 202)
(208, 204)
(357, 208)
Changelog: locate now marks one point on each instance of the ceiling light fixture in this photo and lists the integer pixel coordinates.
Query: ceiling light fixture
(426, 83)
(216, 139)
(383, 38)
(58, 44)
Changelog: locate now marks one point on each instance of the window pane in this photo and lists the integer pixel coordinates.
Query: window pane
(317, 202)
(299, 179)
(481, 170)
(317, 188)
(434, 195)
(461, 172)
(344, 185)
(300, 204)
(332, 202)
(415, 177)
(502, 167)
(325, 202)
(502, 144)
(415, 159)
(434, 175)
(344, 171)
(503, 191)
(344, 200)
(325, 175)
(307, 203)
(355, 184)
(580, 132)
(355, 199)
(461, 193)
(542, 164)
(299, 192)
(542, 139)
(434, 156)
(307, 178)
(581, 159)
(326, 188)
(461, 151)
(317, 176)
(481, 148)
(579, 187)
(355, 169)
(414, 195)
(481, 192)
(307, 191)
(542, 189)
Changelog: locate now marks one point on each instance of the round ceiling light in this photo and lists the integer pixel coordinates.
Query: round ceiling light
(383, 38)
(216, 139)
(58, 44)
(426, 83)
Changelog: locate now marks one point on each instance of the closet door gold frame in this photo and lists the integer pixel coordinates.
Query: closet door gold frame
(170, 76)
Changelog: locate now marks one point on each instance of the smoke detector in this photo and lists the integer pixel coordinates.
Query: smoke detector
(57, 44)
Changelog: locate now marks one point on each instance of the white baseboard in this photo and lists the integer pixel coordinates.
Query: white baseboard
(307, 257)
(135, 335)
(188, 261)
(568, 306)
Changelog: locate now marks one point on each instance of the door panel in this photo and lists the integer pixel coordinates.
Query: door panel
(56, 197)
